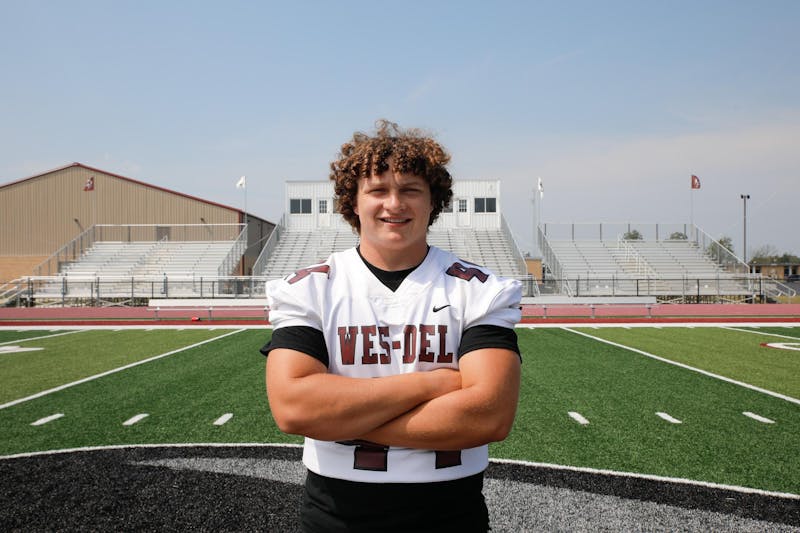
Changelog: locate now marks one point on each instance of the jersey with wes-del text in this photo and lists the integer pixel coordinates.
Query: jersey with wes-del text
(371, 331)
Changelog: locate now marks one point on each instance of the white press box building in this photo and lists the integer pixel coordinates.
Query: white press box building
(472, 227)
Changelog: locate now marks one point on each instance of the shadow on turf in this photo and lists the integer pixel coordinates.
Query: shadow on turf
(258, 488)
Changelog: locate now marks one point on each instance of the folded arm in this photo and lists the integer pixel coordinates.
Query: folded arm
(306, 400)
(481, 411)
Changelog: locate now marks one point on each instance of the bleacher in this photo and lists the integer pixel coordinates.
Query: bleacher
(148, 259)
(668, 268)
(112, 270)
(298, 248)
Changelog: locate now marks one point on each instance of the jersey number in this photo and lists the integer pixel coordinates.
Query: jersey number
(372, 456)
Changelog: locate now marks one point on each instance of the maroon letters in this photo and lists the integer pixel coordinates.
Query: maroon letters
(424, 341)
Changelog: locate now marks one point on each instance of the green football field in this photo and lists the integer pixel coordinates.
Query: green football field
(711, 404)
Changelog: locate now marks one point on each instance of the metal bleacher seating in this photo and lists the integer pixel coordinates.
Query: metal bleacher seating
(147, 259)
(299, 248)
(597, 267)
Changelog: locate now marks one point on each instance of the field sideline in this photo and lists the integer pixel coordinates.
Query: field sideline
(710, 404)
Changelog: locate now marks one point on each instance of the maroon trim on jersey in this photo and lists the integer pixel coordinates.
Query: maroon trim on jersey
(446, 459)
(304, 272)
(457, 270)
(368, 455)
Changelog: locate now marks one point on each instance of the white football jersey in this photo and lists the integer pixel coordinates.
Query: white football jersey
(371, 331)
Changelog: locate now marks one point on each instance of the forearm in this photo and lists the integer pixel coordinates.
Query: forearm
(331, 407)
(481, 412)
(452, 422)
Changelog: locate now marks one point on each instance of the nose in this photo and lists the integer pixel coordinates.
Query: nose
(394, 200)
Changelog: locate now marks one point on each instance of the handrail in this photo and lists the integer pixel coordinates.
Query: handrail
(518, 258)
(726, 259)
(75, 248)
(550, 258)
(260, 265)
(642, 266)
(77, 289)
(235, 254)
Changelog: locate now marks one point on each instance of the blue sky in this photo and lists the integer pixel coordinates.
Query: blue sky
(613, 104)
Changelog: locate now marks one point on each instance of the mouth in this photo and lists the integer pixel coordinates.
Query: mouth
(388, 220)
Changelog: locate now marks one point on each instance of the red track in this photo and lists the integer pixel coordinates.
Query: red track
(255, 315)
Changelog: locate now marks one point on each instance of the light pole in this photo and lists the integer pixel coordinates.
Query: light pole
(744, 198)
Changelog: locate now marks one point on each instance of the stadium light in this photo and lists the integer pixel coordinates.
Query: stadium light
(744, 198)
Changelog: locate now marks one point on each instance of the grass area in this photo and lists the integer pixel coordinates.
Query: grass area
(84, 353)
(617, 390)
(729, 352)
(10, 336)
(183, 395)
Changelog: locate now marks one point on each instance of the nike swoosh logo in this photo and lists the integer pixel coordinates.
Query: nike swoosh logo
(437, 309)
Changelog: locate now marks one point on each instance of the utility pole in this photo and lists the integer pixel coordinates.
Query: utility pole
(744, 198)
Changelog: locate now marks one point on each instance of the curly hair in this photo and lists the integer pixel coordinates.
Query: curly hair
(407, 151)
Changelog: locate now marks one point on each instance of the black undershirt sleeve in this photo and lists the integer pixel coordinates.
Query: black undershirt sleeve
(478, 337)
(301, 338)
(311, 341)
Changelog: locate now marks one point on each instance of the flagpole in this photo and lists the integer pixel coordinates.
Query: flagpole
(94, 204)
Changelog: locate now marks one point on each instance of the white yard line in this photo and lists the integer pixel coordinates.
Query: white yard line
(47, 419)
(577, 417)
(768, 334)
(113, 371)
(668, 418)
(134, 419)
(758, 417)
(223, 419)
(687, 367)
(42, 337)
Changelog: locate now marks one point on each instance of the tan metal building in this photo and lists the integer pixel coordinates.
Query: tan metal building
(42, 213)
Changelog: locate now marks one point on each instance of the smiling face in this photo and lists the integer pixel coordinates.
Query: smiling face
(394, 210)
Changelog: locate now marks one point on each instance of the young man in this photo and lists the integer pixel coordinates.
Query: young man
(397, 361)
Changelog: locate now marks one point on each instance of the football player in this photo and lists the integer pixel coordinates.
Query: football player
(396, 360)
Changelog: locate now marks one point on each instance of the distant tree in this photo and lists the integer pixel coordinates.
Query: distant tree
(717, 249)
(678, 236)
(765, 254)
(726, 242)
(632, 235)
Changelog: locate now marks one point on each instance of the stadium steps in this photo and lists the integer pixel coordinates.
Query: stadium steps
(297, 249)
(117, 263)
(668, 268)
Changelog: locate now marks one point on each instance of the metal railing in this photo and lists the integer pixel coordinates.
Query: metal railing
(234, 256)
(260, 265)
(77, 247)
(108, 290)
(133, 291)
(718, 289)
(642, 267)
(518, 259)
(551, 261)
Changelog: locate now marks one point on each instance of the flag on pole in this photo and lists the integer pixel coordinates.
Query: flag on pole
(242, 183)
(89, 185)
(695, 182)
(541, 189)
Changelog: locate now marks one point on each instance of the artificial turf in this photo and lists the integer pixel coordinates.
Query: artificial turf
(617, 390)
